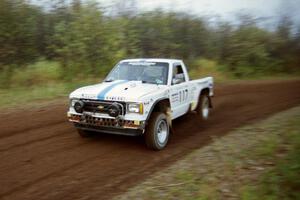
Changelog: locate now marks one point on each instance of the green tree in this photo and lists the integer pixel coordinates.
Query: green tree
(18, 32)
(86, 45)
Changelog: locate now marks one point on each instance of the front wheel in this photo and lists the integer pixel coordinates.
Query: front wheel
(157, 132)
(203, 107)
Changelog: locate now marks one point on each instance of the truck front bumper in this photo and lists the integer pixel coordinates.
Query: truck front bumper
(107, 125)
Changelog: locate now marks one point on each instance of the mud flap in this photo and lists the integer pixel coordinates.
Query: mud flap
(210, 102)
(169, 119)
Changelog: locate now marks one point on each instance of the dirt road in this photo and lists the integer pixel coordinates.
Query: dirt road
(42, 157)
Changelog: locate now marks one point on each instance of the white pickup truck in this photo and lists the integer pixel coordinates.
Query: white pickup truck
(140, 97)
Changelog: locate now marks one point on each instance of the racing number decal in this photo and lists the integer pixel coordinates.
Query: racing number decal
(180, 96)
(183, 95)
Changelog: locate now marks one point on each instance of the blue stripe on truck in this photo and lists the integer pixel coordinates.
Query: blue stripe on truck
(101, 95)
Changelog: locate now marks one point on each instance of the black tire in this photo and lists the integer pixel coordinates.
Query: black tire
(84, 133)
(152, 131)
(204, 103)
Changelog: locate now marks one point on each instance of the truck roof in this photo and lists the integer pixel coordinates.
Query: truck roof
(152, 60)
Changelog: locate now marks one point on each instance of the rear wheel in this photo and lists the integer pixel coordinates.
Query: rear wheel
(84, 133)
(157, 132)
(203, 108)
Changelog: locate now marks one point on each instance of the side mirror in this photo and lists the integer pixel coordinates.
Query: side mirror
(176, 81)
(179, 78)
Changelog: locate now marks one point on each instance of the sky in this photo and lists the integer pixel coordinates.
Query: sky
(220, 7)
(270, 10)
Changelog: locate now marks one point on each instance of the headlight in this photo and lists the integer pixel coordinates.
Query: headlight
(135, 108)
(77, 105)
(72, 102)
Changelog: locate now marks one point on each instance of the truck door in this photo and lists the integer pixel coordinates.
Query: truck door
(179, 92)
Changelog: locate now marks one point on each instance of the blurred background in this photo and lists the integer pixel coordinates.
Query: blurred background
(49, 47)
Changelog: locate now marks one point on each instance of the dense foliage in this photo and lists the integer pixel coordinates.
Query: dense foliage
(87, 42)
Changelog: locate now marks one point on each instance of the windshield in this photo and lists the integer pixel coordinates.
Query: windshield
(147, 72)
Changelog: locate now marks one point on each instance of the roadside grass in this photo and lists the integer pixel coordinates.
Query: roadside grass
(40, 81)
(21, 96)
(205, 67)
(259, 161)
(283, 180)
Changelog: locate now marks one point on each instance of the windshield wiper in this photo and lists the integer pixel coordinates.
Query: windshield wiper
(143, 81)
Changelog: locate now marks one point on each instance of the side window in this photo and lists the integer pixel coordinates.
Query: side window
(178, 74)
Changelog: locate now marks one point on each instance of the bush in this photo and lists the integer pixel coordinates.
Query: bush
(36, 74)
(204, 67)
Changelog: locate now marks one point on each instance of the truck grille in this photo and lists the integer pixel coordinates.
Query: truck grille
(103, 122)
(109, 122)
(101, 106)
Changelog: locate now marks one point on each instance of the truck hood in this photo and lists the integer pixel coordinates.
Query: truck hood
(117, 91)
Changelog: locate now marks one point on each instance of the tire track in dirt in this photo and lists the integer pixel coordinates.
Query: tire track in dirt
(9, 143)
(20, 121)
(47, 167)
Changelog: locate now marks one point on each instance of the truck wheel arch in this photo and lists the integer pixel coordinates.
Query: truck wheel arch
(161, 105)
(205, 91)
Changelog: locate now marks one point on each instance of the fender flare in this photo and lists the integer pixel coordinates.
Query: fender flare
(153, 106)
